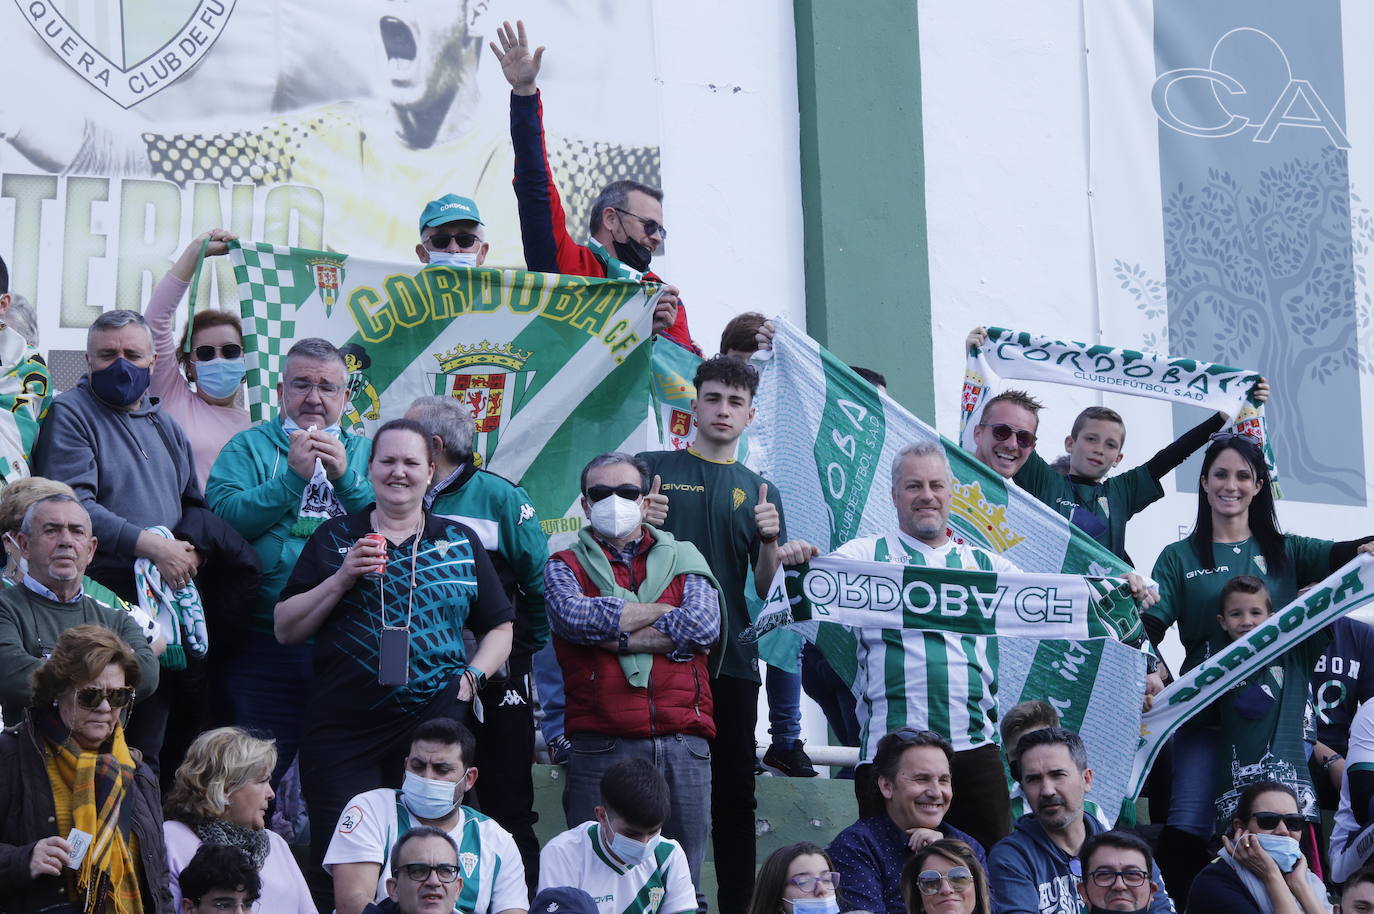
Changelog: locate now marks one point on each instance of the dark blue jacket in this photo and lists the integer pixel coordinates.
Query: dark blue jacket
(869, 856)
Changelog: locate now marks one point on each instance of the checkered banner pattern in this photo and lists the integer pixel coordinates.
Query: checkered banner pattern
(269, 297)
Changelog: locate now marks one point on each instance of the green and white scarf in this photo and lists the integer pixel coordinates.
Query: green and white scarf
(1031, 357)
(178, 612)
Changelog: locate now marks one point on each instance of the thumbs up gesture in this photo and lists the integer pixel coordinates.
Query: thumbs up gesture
(766, 517)
(655, 505)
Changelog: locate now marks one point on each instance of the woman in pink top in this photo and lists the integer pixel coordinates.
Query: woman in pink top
(207, 412)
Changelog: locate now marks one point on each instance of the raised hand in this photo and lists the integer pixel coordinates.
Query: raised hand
(517, 63)
(655, 505)
(766, 516)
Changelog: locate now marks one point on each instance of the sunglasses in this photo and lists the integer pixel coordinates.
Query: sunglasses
(627, 491)
(227, 351)
(959, 879)
(808, 882)
(1228, 437)
(1001, 431)
(1104, 878)
(440, 240)
(1291, 821)
(419, 872)
(651, 226)
(91, 697)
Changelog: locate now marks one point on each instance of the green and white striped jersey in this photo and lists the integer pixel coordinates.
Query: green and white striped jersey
(937, 681)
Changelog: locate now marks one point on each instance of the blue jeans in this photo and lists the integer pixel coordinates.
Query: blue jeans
(548, 687)
(685, 762)
(266, 684)
(1192, 804)
(784, 705)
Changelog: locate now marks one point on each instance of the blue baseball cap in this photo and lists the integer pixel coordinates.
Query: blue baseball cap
(564, 899)
(449, 208)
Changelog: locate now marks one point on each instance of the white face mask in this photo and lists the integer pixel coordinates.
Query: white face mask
(614, 517)
(452, 259)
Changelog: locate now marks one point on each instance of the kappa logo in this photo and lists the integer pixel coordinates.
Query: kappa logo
(526, 513)
(131, 51)
(511, 698)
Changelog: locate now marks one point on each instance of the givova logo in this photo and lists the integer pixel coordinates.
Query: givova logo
(131, 50)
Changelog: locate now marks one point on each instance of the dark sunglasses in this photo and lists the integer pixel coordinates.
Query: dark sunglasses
(439, 240)
(1228, 437)
(1267, 820)
(419, 872)
(651, 226)
(959, 879)
(1104, 878)
(596, 493)
(227, 351)
(1002, 432)
(91, 697)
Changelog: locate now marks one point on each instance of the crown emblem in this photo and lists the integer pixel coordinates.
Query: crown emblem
(484, 353)
(674, 385)
(990, 520)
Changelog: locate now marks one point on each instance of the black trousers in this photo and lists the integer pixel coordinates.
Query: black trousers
(732, 791)
(505, 752)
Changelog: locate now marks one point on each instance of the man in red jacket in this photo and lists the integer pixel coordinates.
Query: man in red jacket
(634, 613)
(626, 225)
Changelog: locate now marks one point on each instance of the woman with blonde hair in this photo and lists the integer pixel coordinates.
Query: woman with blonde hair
(220, 796)
(80, 830)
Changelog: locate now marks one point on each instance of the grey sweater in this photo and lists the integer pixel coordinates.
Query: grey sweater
(122, 468)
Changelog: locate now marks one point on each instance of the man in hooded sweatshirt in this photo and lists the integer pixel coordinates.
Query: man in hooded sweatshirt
(1029, 871)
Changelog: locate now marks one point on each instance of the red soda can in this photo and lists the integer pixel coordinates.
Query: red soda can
(380, 541)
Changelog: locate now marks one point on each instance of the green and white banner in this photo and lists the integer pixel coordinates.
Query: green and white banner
(552, 367)
(24, 399)
(1344, 591)
(832, 436)
(884, 595)
(1031, 357)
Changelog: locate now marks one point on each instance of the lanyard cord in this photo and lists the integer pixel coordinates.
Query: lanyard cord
(381, 581)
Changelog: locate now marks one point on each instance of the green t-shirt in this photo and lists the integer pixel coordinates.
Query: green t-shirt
(711, 506)
(1102, 509)
(1190, 594)
(1265, 721)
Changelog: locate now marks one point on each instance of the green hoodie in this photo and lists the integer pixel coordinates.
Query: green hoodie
(258, 494)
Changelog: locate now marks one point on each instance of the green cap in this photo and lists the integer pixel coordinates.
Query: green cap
(449, 208)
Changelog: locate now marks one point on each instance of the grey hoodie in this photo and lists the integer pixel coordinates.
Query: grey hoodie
(126, 473)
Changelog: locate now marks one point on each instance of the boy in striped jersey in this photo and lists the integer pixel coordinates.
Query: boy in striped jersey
(932, 680)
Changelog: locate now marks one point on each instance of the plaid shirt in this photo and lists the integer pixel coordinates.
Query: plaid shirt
(693, 626)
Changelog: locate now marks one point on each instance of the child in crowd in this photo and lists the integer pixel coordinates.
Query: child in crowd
(1265, 723)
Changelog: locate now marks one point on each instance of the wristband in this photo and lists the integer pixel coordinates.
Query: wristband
(768, 539)
(1331, 760)
(624, 643)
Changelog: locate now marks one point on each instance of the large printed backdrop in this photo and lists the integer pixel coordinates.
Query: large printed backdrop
(125, 129)
(1226, 211)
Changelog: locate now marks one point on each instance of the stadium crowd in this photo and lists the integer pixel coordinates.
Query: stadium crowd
(216, 636)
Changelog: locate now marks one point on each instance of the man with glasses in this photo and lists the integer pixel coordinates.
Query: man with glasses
(1034, 870)
(621, 858)
(451, 233)
(425, 875)
(275, 483)
(626, 225)
(219, 880)
(1115, 868)
(634, 613)
(1005, 439)
(56, 543)
(913, 777)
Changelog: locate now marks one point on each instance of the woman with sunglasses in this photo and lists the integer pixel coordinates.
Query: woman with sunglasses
(944, 877)
(220, 796)
(385, 593)
(1236, 532)
(796, 879)
(213, 362)
(1261, 869)
(80, 827)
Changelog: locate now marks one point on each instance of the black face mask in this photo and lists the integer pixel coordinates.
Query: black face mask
(633, 254)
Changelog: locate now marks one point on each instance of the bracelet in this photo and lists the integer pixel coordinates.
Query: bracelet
(766, 540)
(1331, 759)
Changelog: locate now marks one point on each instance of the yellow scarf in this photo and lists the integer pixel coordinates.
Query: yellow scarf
(88, 790)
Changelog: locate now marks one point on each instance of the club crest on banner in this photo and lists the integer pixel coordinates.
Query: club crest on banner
(491, 381)
(991, 520)
(328, 273)
(132, 51)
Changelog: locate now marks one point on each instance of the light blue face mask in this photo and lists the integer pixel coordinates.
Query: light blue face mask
(220, 378)
(452, 259)
(1283, 849)
(628, 849)
(428, 799)
(826, 904)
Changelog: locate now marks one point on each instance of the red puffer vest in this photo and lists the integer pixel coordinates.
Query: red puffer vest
(601, 700)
